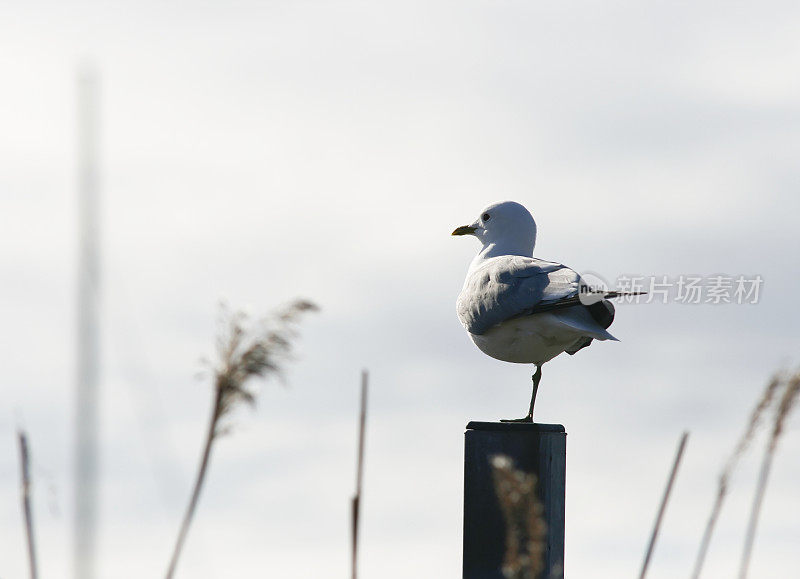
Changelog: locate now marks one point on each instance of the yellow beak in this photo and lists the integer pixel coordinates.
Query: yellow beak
(464, 230)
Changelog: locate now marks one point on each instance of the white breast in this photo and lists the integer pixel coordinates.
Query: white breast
(533, 339)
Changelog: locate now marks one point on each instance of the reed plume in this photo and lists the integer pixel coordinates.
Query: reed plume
(782, 411)
(753, 424)
(245, 351)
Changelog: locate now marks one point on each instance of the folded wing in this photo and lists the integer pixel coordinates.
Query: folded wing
(509, 286)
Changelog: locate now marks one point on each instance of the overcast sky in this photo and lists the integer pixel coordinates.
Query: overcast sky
(257, 151)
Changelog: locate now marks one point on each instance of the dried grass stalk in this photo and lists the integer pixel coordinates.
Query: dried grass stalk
(526, 530)
(756, 419)
(356, 502)
(782, 412)
(244, 352)
(25, 482)
(664, 500)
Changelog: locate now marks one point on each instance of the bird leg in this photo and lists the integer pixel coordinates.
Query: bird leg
(536, 378)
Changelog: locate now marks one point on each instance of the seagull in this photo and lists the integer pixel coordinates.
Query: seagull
(521, 309)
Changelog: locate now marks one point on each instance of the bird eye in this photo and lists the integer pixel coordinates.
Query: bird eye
(486, 217)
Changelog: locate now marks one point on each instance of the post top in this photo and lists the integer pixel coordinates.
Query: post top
(515, 426)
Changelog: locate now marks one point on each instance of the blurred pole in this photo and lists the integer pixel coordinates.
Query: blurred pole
(664, 500)
(25, 481)
(88, 321)
(356, 504)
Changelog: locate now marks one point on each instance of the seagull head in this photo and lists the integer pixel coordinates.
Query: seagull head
(505, 228)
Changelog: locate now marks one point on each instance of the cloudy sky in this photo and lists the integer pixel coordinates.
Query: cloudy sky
(257, 151)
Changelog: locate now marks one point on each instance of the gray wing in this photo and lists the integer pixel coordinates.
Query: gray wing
(510, 286)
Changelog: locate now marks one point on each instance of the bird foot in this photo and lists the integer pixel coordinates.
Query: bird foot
(525, 419)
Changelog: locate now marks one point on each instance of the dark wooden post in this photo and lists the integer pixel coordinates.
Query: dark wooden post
(540, 449)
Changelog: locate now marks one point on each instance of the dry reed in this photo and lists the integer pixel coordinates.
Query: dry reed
(25, 482)
(664, 499)
(526, 530)
(356, 502)
(782, 411)
(753, 424)
(244, 352)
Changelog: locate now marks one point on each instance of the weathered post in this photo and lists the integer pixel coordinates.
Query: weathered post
(539, 449)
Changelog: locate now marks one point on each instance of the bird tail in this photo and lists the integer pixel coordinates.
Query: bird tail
(615, 294)
(586, 298)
